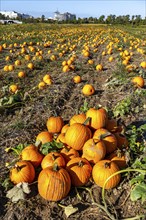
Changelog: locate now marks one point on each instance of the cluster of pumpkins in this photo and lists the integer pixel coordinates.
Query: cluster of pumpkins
(93, 149)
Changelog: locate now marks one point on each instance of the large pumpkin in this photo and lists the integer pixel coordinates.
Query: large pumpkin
(51, 158)
(55, 124)
(80, 171)
(54, 183)
(31, 153)
(76, 135)
(98, 117)
(94, 151)
(104, 169)
(108, 138)
(23, 171)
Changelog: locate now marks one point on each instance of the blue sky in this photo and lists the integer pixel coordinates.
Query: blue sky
(81, 8)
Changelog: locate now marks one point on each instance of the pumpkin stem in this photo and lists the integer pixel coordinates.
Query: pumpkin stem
(119, 153)
(54, 157)
(107, 165)
(81, 163)
(55, 167)
(102, 136)
(19, 167)
(87, 120)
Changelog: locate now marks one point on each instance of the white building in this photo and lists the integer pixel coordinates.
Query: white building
(64, 17)
(14, 14)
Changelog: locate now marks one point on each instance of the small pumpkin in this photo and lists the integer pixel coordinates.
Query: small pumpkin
(68, 153)
(119, 158)
(64, 128)
(54, 183)
(88, 90)
(94, 151)
(51, 158)
(79, 118)
(77, 79)
(79, 170)
(23, 171)
(31, 153)
(61, 138)
(76, 135)
(138, 81)
(44, 137)
(122, 141)
(98, 117)
(107, 137)
(104, 169)
(55, 124)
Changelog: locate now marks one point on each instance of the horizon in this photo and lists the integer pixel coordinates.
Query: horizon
(81, 9)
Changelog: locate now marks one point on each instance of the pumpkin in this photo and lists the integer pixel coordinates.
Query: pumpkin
(112, 125)
(13, 88)
(88, 90)
(119, 158)
(76, 135)
(104, 169)
(80, 118)
(31, 153)
(44, 137)
(54, 183)
(138, 81)
(64, 128)
(21, 74)
(108, 138)
(99, 67)
(143, 64)
(23, 171)
(51, 158)
(77, 79)
(94, 151)
(122, 141)
(79, 170)
(98, 117)
(68, 153)
(55, 124)
(61, 138)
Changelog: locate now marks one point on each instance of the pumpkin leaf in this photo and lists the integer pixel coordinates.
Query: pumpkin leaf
(139, 179)
(69, 210)
(139, 192)
(18, 192)
(52, 146)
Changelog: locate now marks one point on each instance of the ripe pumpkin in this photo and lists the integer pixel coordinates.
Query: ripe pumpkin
(94, 151)
(68, 153)
(112, 125)
(64, 128)
(88, 90)
(13, 88)
(108, 138)
(55, 124)
(138, 81)
(98, 118)
(77, 79)
(76, 135)
(51, 158)
(61, 138)
(31, 153)
(119, 158)
(104, 169)
(122, 141)
(44, 137)
(79, 170)
(54, 183)
(23, 171)
(79, 118)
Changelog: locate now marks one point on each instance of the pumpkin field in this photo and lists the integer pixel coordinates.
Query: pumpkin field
(72, 122)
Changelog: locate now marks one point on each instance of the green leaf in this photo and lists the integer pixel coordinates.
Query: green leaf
(52, 146)
(139, 192)
(137, 179)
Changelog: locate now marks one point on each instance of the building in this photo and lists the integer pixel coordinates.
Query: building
(14, 14)
(64, 17)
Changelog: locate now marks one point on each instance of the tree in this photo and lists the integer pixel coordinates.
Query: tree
(101, 19)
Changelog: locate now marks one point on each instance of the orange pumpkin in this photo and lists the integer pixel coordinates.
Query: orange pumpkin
(54, 183)
(23, 171)
(44, 137)
(104, 169)
(108, 138)
(64, 128)
(51, 158)
(122, 141)
(76, 135)
(112, 125)
(61, 138)
(68, 153)
(80, 118)
(55, 124)
(77, 79)
(98, 117)
(31, 153)
(88, 90)
(119, 158)
(79, 170)
(94, 151)
(138, 81)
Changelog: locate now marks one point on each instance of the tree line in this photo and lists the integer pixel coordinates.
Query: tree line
(110, 19)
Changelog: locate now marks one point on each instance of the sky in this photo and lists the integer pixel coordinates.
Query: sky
(82, 8)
